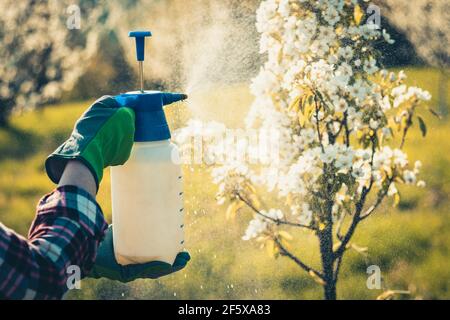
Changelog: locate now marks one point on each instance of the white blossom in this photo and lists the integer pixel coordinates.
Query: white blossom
(409, 177)
(306, 215)
(307, 69)
(255, 227)
(41, 58)
(387, 37)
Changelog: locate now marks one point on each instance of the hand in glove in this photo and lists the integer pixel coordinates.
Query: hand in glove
(106, 265)
(102, 137)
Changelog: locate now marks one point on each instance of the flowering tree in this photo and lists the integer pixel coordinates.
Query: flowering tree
(427, 25)
(341, 123)
(41, 54)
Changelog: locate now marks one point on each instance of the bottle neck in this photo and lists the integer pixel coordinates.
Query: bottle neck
(151, 143)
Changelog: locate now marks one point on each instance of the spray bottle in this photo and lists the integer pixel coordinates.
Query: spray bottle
(146, 192)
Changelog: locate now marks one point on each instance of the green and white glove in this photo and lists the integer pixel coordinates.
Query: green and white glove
(102, 137)
(106, 265)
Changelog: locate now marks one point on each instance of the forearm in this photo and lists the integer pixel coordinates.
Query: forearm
(66, 231)
(77, 174)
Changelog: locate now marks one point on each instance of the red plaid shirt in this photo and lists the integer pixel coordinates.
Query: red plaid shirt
(67, 230)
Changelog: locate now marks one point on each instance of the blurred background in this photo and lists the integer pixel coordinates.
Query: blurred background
(56, 57)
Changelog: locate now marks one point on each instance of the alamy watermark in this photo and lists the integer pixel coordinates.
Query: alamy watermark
(73, 21)
(227, 146)
(74, 277)
(373, 16)
(374, 279)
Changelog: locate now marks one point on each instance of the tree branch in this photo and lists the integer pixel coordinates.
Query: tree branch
(285, 252)
(405, 131)
(339, 224)
(317, 122)
(379, 200)
(277, 221)
(347, 130)
(337, 267)
(407, 126)
(354, 224)
(359, 207)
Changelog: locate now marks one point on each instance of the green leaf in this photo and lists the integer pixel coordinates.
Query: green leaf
(311, 100)
(358, 14)
(233, 209)
(396, 199)
(301, 119)
(316, 278)
(285, 235)
(295, 105)
(423, 126)
(271, 248)
(434, 113)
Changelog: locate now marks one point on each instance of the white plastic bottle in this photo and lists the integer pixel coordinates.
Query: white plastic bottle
(147, 205)
(147, 191)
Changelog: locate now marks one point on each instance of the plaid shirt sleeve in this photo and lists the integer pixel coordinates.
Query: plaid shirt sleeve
(67, 230)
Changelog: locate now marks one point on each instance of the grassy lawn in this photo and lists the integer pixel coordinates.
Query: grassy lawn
(409, 243)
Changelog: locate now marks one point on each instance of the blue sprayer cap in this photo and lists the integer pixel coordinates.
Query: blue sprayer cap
(151, 123)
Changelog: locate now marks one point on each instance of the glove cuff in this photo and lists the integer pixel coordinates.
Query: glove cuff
(102, 137)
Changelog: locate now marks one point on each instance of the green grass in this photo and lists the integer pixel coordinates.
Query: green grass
(409, 243)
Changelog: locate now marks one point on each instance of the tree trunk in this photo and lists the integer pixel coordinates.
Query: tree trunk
(442, 94)
(329, 291)
(3, 118)
(326, 252)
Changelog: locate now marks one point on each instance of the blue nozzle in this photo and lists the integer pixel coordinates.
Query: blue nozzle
(140, 42)
(170, 97)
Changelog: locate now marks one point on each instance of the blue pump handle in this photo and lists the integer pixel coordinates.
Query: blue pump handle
(151, 123)
(140, 42)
